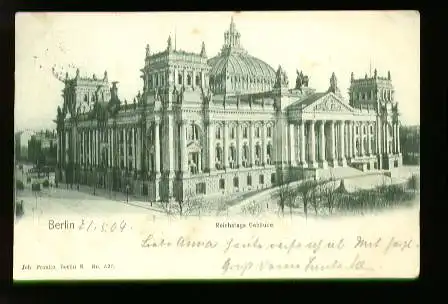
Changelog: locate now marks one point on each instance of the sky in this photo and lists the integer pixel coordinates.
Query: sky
(318, 43)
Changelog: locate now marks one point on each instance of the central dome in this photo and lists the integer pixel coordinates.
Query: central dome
(234, 71)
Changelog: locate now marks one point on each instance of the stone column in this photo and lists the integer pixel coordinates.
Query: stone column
(302, 126)
(263, 143)
(252, 144)
(225, 149)
(379, 147)
(170, 145)
(312, 145)
(369, 142)
(333, 159)
(297, 144)
(361, 139)
(109, 150)
(239, 153)
(353, 127)
(291, 142)
(92, 147)
(386, 138)
(139, 148)
(342, 160)
(112, 145)
(156, 147)
(183, 146)
(97, 146)
(211, 146)
(349, 139)
(134, 164)
(285, 156)
(322, 159)
(125, 147)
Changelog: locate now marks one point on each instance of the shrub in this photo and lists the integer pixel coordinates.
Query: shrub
(19, 185)
(46, 183)
(35, 187)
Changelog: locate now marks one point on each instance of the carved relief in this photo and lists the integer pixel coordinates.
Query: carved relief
(329, 105)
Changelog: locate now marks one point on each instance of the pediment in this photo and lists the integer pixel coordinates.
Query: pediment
(194, 146)
(328, 103)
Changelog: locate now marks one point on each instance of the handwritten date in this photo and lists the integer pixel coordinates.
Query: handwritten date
(104, 227)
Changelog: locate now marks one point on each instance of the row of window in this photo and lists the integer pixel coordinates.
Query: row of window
(161, 80)
(245, 130)
(201, 187)
(384, 94)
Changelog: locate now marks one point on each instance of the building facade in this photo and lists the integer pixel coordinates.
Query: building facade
(219, 125)
(42, 148)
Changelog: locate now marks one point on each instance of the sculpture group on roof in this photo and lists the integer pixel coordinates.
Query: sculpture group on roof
(301, 80)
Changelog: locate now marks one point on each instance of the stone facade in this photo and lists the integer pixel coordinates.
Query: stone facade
(221, 125)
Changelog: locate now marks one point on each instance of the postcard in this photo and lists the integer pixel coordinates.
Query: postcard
(217, 145)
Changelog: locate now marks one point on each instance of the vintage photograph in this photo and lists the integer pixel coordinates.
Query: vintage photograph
(228, 115)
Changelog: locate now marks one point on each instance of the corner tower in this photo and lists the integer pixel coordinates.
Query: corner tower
(171, 71)
(368, 91)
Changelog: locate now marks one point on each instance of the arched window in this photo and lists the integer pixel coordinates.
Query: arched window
(86, 98)
(245, 159)
(245, 132)
(232, 133)
(232, 157)
(269, 131)
(179, 79)
(257, 132)
(189, 80)
(198, 80)
(218, 133)
(269, 153)
(193, 132)
(218, 158)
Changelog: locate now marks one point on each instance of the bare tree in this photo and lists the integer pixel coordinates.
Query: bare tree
(305, 190)
(329, 193)
(222, 207)
(253, 208)
(188, 205)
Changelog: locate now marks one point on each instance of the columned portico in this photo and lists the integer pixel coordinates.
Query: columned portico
(312, 145)
(333, 159)
(342, 160)
(322, 145)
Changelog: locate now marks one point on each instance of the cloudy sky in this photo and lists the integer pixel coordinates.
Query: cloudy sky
(318, 43)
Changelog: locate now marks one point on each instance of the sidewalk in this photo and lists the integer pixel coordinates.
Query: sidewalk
(101, 193)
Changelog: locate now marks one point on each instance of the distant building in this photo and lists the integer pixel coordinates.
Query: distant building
(21, 139)
(230, 123)
(42, 148)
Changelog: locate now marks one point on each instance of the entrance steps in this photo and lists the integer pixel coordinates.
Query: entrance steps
(342, 172)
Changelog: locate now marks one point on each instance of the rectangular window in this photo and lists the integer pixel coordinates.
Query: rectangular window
(222, 184)
(236, 182)
(261, 179)
(273, 178)
(200, 188)
(249, 180)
